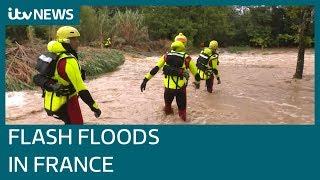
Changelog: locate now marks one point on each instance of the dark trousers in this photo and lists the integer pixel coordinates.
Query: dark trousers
(70, 113)
(181, 99)
(209, 84)
(179, 94)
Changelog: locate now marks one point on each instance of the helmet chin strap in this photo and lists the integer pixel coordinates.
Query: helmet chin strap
(69, 49)
(64, 40)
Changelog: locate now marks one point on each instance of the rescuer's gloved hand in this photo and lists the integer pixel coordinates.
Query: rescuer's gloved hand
(83, 74)
(143, 84)
(209, 72)
(62, 90)
(47, 83)
(59, 89)
(219, 81)
(196, 84)
(186, 74)
(197, 77)
(52, 86)
(96, 110)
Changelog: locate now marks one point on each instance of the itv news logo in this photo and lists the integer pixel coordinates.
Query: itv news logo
(16, 14)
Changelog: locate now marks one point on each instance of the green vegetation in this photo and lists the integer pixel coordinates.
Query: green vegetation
(126, 27)
(238, 49)
(255, 26)
(20, 64)
(97, 62)
(15, 84)
(141, 29)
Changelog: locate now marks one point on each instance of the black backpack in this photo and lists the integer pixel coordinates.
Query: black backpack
(46, 64)
(203, 61)
(45, 67)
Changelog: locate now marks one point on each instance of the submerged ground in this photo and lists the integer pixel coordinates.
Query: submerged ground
(257, 88)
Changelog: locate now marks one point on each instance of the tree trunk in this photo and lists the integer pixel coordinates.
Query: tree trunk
(300, 60)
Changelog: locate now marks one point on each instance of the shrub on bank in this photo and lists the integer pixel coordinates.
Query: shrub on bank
(21, 60)
(238, 49)
(100, 61)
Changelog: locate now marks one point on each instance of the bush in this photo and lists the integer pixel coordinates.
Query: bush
(87, 24)
(129, 28)
(99, 61)
(285, 39)
(20, 64)
(238, 49)
(15, 84)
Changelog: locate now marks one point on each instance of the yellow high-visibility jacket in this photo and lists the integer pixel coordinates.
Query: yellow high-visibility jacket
(52, 102)
(212, 63)
(170, 81)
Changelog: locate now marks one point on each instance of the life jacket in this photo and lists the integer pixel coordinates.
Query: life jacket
(173, 64)
(173, 69)
(52, 100)
(203, 61)
(47, 66)
(204, 64)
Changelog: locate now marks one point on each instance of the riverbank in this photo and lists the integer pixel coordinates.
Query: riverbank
(257, 88)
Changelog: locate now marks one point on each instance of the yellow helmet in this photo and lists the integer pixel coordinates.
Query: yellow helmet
(66, 32)
(182, 38)
(178, 46)
(213, 44)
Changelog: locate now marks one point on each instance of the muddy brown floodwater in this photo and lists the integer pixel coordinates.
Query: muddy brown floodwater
(257, 88)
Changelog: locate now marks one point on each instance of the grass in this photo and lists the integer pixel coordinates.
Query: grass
(95, 61)
(15, 84)
(99, 61)
(238, 49)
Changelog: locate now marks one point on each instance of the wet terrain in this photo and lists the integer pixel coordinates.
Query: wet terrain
(257, 88)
